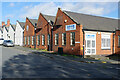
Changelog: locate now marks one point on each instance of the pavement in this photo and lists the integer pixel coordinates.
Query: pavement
(28, 63)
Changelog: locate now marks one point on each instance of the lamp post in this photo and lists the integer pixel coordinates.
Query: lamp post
(35, 36)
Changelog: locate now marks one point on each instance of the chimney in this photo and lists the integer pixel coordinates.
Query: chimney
(3, 23)
(8, 22)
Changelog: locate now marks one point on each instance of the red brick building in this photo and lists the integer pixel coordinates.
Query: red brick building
(82, 34)
(43, 33)
(29, 32)
(37, 33)
(74, 33)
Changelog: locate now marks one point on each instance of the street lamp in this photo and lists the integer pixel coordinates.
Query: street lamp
(35, 36)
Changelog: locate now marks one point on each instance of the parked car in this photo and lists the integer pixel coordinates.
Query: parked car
(8, 43)
(1, 41)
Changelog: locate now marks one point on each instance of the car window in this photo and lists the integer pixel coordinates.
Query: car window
(1, 39)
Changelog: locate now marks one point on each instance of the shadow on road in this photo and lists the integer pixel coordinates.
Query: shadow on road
(54, 66)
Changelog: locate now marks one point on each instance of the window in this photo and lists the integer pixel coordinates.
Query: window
(64, 39)
(56, 39)
(48, 39)
(118, 40)
(38, 40)
(72, 38)
(43, 39)
(105, 42)
(25, 40)
(32, 40)
(27, 27)
(29, 40)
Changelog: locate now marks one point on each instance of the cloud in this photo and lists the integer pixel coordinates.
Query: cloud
(9, 16)
(80, 7)
(45, 8)
(12, 5)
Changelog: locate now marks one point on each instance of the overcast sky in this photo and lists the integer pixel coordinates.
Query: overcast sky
(20, 10)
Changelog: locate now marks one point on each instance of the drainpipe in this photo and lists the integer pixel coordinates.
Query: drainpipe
(113, 42)
(51, 38)
(83, 44)
(35, 35)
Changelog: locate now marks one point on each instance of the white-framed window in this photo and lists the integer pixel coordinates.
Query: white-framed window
(32, 40)
(25, 41)
(105, 41)
(38, 40)
(43, 39)
(56, 39)
(119, 40)
(29, 40)
(63, 38)
(48, 39)
(72, 38)
(27, 27)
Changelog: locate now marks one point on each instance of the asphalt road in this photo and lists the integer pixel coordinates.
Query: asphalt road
(7, 53)
(18, 64)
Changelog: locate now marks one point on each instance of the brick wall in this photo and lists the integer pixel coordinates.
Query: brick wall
(44, 29)
(117, 48)
(100, 51)
(61, 17)
(28, 33)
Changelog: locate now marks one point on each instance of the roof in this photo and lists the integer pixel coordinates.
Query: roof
(1, 29)
(7, 28)
(22, 24)
(33, 21)
(13, 26)
(48, 17)
(93, 22)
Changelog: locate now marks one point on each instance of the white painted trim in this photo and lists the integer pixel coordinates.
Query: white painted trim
(91, 32)
(91, 45)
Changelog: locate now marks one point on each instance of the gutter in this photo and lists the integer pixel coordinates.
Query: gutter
(83, 44)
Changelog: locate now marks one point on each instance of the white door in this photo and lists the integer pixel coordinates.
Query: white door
(90, 41)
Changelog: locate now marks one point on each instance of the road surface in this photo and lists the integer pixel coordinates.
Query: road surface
(19, 64)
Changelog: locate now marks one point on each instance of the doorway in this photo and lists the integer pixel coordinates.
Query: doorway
(90, 44)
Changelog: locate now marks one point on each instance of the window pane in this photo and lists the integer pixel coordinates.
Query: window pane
(48, 39)
(56, 39)
(43, 40)
(63, 38)
(88, 43)
(105, 42)
(93, 50)
(72, 37)
(118, 40)
(88, 50)
(93, 43)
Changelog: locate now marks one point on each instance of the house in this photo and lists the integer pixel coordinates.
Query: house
(11, 32)
(5, 28)
(1, 32)
(43, 32)
(29, 32)
(19, 33)
(5, 32)
(82, 34)
(1, 29)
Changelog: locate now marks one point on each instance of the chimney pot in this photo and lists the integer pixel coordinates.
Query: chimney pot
(3, 23)
(8, 22)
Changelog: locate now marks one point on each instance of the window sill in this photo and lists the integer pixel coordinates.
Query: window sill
(105, 48)
(72, 45)
(63, 45)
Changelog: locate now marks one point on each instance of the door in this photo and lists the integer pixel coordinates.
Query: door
(90, 47)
